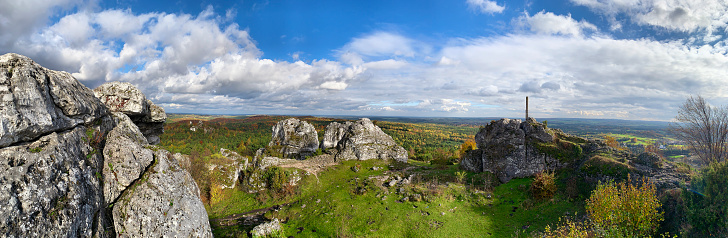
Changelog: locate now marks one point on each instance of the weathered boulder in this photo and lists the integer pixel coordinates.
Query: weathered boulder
(36, 101)
(127, 99)
(164, 202)
(50, 128)
(334, 133)
(52, 188)
(294, 138)
(362, 140)
(267, 229)
(125, 157)
(505, 148)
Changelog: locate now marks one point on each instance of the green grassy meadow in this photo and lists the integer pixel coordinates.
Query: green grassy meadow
(330, 206)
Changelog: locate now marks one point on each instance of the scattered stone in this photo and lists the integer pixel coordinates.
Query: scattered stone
(416, 197)
(267, 228)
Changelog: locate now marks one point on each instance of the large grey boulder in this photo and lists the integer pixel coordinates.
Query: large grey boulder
(362, 140)
(164, 202)
(126, 157)
(125, 98)
(294, 138)
(505, 148)
(52, 188)
(36, 101)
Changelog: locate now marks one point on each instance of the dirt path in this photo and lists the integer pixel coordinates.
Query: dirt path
(250, 218)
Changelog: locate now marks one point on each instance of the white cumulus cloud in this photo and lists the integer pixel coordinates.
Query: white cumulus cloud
(485, 6)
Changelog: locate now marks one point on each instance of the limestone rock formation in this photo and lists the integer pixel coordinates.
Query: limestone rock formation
(126, 159)
(127, 99)
(66, 162)
(294, 138)
(36, 101)
(362, 140)
(334, 133)
(164, 202)
(49, 174)
(226, 167)
(505, 148)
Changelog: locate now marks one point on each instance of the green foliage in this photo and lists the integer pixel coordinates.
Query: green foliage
(624, 209)
(36, 150)
(569, 229)
(428, 141)
(707, 202)
(460, 175)
(275, 178)
(543, 185)
(562, 150)
(602, 164)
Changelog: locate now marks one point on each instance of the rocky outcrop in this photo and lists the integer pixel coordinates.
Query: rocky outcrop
(127, 99)
(334, 133)
(164, 202)
(225, 168)
(362, 140)
(49, 174)
(294, 138)
(36, 101)
(506, 148)
(70, 168)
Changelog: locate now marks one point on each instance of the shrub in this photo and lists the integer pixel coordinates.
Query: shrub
(570, 229)
(460, 175)
(707, 202)
(625, 210)
(543, 185)
(466, 146)
(275, 178)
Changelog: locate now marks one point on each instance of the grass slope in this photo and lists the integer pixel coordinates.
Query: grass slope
(330, 207)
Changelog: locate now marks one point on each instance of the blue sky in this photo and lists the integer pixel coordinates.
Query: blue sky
(626, 59)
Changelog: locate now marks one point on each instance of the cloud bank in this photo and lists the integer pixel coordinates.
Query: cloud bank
(206, 63)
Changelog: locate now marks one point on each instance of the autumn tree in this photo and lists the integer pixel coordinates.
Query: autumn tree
(466, 146)
(704, 128)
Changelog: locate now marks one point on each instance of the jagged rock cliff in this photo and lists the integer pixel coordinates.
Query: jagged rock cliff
(507, 148)
(71, 168)
(294, 138)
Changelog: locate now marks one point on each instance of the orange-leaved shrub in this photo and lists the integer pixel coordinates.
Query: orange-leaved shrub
(624, 209)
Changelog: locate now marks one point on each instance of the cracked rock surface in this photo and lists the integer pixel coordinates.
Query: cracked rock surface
(71, 168)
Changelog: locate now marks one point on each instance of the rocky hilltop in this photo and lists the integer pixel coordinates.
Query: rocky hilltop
(74, 165)
(507, 148)
(512, 148)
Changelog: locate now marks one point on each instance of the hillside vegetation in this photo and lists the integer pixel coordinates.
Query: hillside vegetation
(422, 198)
